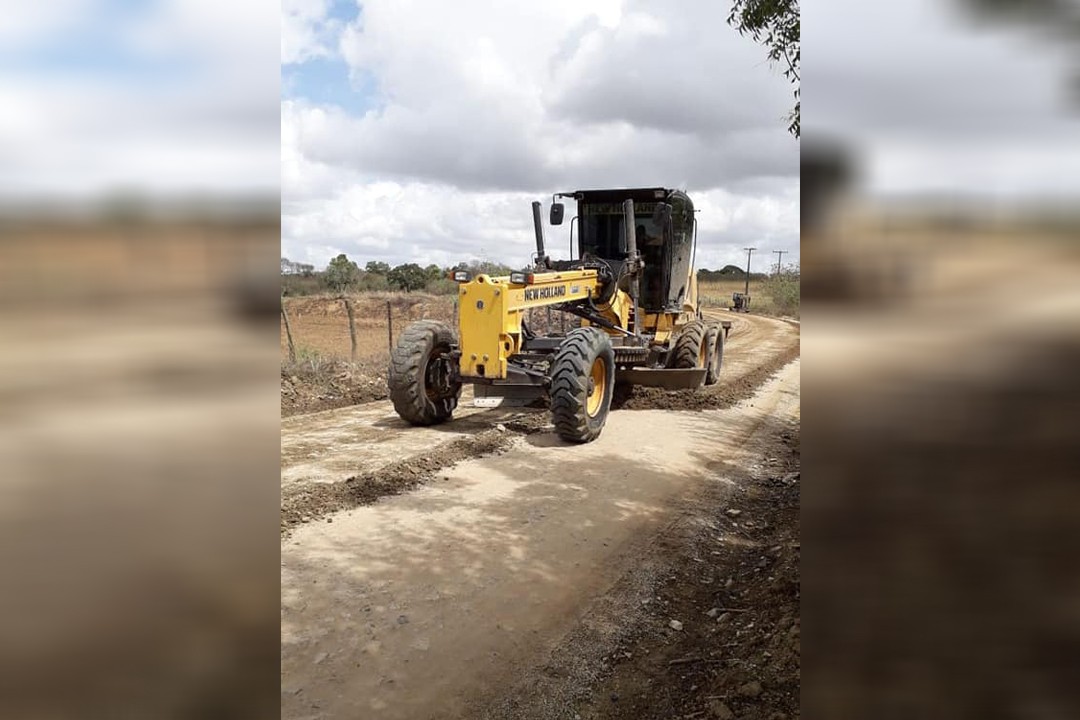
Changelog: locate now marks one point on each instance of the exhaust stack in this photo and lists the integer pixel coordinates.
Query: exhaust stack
(630, 233)
(538, 227)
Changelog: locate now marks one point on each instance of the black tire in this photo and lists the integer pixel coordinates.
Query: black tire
(714, 338)
(577, 412)
(417, 399)
(690, 348)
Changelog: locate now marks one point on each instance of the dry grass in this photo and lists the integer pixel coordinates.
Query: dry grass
(320, 325)
(717, 294)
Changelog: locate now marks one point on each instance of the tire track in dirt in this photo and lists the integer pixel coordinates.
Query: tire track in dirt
(756, 348)
(435, 602)
(719, 396)
(313, 501)
(310, 500)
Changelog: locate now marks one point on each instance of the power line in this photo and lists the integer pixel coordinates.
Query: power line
(780, 256)
(749, 252)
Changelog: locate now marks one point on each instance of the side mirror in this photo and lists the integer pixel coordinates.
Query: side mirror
(661, 214)
(556, 213)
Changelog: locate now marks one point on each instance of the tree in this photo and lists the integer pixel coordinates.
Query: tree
(288, 267)
(434, 272)
(784, 288)
(407, 277)
(341, 274)
(377, 268)
(483, 267)
(776, 25)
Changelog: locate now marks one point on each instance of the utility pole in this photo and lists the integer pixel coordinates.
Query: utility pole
(779, 257)
(749, 252)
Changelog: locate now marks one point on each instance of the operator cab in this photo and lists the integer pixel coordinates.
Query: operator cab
(665, 244)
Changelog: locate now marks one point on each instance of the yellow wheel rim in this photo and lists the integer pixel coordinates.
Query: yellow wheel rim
(597, 386)
(702, 354)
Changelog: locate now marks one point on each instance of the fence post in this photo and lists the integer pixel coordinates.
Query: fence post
(389, 327)
(288, 332)
(352, 327)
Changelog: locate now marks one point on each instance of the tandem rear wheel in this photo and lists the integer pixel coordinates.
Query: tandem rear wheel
(700, 345)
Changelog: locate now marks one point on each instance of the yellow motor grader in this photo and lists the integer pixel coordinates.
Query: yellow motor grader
(632, 290)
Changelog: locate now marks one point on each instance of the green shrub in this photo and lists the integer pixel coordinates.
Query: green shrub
(441, 286)
(784, 289)
(370, 281)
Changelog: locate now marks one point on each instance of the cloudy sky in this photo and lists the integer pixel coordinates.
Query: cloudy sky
(159, 97)
(940, 103)
(421, 130)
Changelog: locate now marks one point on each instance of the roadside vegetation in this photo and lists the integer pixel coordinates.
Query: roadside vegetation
(343, 275)
(771, 294)
(330, 364)
(775, 294)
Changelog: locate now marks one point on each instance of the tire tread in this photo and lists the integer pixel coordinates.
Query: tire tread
(406, 373)
(569, 384)
(688, 345)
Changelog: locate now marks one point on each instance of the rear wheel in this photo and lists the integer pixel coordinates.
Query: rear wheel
(691, 350)
(714, 340)
(582, 381)
(420, 377)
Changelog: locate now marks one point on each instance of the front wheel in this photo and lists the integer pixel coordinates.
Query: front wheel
(582, 381)
(421, 378)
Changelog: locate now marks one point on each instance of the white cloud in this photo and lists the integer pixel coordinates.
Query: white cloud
(938, 103)
(428, 223)
(193, 108)
(1026, 169)
(305, 32)
(479, 108)
(418, 222)
(23, 24)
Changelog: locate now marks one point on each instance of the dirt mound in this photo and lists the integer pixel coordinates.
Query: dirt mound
(329, 384)
(709, 398)
(314, 501)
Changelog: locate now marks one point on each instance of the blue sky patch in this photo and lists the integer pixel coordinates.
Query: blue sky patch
(326, 80)
(93, 46)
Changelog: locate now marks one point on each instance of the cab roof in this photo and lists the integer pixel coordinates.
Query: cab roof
(619, 194)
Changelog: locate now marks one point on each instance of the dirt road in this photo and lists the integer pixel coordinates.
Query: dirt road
(435, 602)
(327, 447)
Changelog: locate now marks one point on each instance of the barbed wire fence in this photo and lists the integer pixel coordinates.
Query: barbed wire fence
(359, 320)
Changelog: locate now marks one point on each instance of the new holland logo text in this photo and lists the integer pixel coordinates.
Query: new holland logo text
(544, 292)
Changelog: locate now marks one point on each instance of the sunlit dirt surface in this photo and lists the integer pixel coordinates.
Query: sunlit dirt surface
(138, 423)
(941, 450)
(440, 601)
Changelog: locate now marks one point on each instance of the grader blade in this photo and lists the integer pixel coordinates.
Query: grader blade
(666, 378)
(488, 396)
